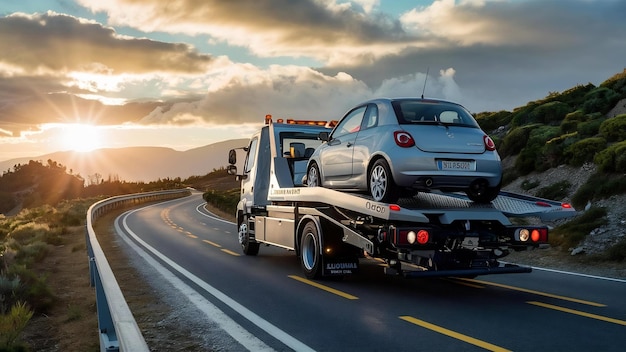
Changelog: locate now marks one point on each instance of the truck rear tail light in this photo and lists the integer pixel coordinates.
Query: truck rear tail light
(403, 139)
(489, 143)
(408, 236)
(532, 235)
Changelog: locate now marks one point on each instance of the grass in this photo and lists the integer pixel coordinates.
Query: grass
(573, 232)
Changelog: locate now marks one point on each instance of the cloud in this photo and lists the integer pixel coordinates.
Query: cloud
(323, 29)
(53, 43)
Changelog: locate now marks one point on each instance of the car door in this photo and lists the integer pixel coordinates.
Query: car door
(364, 145)
(336, 156)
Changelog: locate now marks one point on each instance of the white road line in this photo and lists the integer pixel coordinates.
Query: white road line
(241, 335)
(572, 273)
(208, 214)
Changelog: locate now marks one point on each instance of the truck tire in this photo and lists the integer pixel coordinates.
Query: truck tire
(310, 252)
(248, 246)
(380, 183)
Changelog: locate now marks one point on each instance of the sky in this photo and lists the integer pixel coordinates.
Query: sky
(86, 74)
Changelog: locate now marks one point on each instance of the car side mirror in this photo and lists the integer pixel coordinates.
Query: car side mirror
(324, 136)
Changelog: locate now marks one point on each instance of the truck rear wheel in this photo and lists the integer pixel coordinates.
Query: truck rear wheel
(248, 246)
(310, 251)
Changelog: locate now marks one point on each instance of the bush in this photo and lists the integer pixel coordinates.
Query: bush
(599, 186)
(601, 99)
(223, 200)
(555, 191)
(590, 128)
(529, 184)
(12, 324)
(490, 121)
(614, 129)
(573, 232)
(612, 159)
(551, 113)
(584, 150)
(617, 252)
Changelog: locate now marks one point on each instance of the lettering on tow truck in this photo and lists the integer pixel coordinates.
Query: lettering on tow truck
(286, 191)
(375, 207)
(332, 266)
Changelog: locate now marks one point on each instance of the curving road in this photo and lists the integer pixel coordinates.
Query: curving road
(265, 303)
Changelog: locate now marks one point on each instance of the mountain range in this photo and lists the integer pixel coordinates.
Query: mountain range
(138, 164)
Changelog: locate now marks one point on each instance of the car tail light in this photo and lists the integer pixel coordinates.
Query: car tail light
(403, 139)
(489, 144)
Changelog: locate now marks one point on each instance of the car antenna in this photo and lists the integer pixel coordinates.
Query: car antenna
(425, 79)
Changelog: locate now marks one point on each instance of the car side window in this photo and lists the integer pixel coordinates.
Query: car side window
(251, 155)
(350, 123)
(371, 117)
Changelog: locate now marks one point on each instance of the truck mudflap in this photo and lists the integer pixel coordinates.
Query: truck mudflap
(340, 266)
(505, 269)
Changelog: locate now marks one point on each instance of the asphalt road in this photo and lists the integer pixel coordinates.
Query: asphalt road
(265, 303)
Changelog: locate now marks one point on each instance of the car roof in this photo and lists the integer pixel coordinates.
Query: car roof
(425, 100)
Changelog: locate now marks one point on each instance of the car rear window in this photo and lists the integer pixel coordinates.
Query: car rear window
(432, 112)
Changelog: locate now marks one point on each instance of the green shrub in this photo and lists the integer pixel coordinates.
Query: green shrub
(589, 128)
(584, 150)
(490, 121)
(614, 129)
(12, 324)
(551, 113)
(616, 252)
(555, 191)
(573, 232)
(529, 184)
(599, 186)
(612, 159)
(223, 200)
(601, 99)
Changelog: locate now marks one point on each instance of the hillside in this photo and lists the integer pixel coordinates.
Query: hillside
(137, 164)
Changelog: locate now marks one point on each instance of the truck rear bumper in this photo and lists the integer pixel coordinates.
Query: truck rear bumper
(506, 269)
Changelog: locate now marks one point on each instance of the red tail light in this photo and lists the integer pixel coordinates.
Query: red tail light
(489, 143)
(403, 139)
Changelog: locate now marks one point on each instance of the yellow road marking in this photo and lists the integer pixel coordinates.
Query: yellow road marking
(230, 252)
(456, 335)
(577, 312)
(212, 243)
(545, 294)
(468, 284)
(323, 287)
(191, 236)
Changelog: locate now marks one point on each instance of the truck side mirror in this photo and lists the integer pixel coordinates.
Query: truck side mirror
(231, 169)
(323, 136)
(232, 159)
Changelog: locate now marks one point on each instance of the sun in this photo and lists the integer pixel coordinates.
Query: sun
(80, 137)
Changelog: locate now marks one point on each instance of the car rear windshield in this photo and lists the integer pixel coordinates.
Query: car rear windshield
(432, 112)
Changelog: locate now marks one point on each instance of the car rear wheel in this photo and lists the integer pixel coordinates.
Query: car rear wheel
(380, 183)
(313, 176)
(480, 192)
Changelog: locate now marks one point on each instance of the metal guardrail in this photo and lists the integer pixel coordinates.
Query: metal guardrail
(117, 326)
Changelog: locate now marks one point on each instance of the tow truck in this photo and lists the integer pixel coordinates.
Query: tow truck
(426, 235)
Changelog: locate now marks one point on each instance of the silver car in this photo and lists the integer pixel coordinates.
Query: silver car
(398, 147)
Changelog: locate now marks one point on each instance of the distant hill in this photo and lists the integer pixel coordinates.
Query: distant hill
(136, 164)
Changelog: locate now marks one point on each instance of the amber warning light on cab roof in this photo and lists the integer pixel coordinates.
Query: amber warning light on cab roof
(329, 124)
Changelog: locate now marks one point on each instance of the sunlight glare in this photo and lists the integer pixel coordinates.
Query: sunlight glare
(80, 137)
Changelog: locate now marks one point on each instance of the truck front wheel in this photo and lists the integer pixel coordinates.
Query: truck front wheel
(310, 252)
(249, 246)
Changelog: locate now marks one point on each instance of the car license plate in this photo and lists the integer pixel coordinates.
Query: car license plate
(456, 165)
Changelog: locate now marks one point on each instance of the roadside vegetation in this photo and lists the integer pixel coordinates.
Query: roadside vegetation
(50, 207)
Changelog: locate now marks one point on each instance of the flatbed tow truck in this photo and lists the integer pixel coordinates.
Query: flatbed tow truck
(428, 235)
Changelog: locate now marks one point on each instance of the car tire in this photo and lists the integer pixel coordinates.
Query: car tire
(483, 194)
(380, 183)
(248, 246)
(313, 176)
